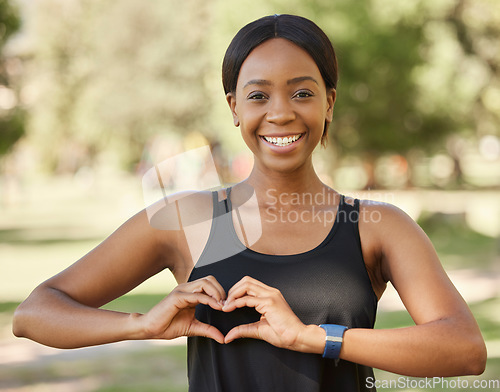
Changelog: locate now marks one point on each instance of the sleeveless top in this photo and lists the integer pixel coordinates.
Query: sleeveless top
(326, 285)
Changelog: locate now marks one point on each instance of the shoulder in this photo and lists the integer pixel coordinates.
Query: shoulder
(378, 215)
(387, 223)
(387, 233)
(180, 209)
(395, 236)
(161, 229)
(383, 215)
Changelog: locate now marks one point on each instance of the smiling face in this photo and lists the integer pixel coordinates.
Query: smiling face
(281, 105)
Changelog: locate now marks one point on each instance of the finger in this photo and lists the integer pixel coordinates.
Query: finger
(253, 290)
(243, 331)
(189, 300)
(247, 301)
(208, 331)
(217, 286)
(210, 286)
(250, 287)
(246, 281)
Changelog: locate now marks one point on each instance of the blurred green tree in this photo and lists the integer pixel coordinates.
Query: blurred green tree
(108, 75)
(476, 27)
(11, 115)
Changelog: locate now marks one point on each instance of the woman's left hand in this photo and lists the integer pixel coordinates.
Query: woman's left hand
(278, 324)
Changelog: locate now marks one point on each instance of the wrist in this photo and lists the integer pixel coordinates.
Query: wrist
(334, 340)
(136, 327)
(312, 339)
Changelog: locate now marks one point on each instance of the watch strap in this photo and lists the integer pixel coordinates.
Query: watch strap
(334, 339)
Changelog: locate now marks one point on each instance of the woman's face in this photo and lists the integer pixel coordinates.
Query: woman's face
(281, 105)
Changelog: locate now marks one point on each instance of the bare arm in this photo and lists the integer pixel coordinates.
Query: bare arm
(64, 311)
(446, 339)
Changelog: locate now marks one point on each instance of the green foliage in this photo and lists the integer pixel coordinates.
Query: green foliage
(12, 128)
(9, 21)
(376, 105)
(135, 303)
(114, 74)
(11, 116)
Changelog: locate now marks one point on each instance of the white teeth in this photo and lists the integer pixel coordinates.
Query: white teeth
(282, 141)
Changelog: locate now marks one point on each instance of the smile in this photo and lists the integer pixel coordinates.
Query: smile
(282, 141)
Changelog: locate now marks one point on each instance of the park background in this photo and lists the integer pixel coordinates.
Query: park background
(93, 93)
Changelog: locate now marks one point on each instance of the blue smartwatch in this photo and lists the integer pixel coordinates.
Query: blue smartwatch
(334, 338)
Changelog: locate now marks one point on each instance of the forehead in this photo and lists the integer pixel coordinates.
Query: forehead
(278, 60)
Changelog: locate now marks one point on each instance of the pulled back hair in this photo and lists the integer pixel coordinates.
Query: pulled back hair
(296, 29)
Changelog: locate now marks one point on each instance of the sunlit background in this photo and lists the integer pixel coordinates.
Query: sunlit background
(93, 93)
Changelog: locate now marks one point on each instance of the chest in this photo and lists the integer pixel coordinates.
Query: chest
(327, 288)
(283, 231)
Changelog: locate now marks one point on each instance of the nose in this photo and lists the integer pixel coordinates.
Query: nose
(280, 111)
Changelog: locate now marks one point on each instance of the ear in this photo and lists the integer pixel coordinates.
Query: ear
(231, 100)
(331, 96)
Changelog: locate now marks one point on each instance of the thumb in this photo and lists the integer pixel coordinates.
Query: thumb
(243, 331)
(198, 328)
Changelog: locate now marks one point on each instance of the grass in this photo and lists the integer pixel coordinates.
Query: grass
(57, 221)
(44, 234)
(149, 370)
(458, 245)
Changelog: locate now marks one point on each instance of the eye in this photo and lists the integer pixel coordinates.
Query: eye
(256, 96)
(303, 94)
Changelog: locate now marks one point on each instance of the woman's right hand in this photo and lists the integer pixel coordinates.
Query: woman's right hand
(174, 315)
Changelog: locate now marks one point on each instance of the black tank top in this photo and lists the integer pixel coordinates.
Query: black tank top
(326, 285)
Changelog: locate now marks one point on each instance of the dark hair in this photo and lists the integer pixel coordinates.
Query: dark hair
(296, 29)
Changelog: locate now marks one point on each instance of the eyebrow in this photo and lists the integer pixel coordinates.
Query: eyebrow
(259, 82)
(301, 79)
(264, 82)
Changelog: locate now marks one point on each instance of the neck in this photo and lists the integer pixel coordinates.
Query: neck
(299, 181)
